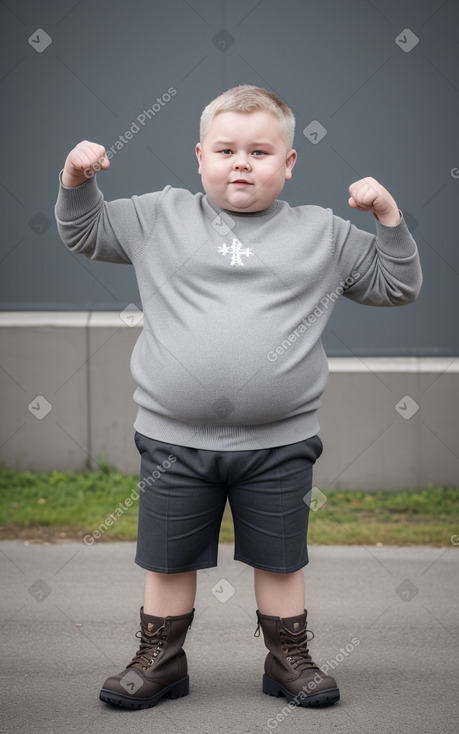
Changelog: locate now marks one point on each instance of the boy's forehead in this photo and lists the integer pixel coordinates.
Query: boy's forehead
(260, 123)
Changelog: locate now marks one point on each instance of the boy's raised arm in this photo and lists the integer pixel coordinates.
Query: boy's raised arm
(112, 231)
(385, 268)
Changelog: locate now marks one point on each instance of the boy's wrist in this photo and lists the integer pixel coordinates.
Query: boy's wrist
(390, 219)
(71, 181)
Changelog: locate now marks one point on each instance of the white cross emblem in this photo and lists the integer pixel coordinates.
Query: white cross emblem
(235, 251)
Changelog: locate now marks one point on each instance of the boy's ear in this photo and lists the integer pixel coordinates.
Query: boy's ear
(290, 162)
(198, 151)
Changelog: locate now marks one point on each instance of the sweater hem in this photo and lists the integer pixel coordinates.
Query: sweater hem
(227, 438)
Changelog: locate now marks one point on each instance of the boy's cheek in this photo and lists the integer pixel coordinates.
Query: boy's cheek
(214, 176)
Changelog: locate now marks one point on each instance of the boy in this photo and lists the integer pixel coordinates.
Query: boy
(229, 370)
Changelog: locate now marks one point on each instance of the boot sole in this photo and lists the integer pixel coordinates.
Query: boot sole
(322, 698)
(174, 690)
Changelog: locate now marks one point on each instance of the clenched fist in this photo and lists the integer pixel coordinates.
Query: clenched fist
(83, 162)
(368, 195)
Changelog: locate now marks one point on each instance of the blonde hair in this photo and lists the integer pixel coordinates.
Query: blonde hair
(247, 98)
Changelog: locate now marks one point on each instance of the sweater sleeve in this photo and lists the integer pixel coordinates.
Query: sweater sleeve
(378, 270)
(113, 231)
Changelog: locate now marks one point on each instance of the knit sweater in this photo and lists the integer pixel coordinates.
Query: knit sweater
(230, 356)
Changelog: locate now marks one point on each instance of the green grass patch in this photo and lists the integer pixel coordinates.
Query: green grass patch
(427, 517)
(56, 505)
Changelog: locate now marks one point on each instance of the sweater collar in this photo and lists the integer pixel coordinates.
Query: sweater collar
(242, 215)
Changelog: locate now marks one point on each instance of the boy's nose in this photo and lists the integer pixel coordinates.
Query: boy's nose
(241, 163)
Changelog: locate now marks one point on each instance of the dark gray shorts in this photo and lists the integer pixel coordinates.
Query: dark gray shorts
(183, 492)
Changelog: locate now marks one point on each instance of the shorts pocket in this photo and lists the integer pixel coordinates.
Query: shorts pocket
(315, 448)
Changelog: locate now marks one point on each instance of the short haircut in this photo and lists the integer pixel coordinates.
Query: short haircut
(247, 98)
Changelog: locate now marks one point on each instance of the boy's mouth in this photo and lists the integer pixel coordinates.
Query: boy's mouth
(242, 181)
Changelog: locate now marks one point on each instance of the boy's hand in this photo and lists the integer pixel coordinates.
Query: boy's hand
(83, 162)
(368, 195)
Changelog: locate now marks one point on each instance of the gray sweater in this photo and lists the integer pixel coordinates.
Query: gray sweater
(230, 356)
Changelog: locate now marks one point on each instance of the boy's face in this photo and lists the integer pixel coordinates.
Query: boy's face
(244, 161)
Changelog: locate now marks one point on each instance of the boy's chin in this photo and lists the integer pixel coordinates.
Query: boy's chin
(245, 205)
(242, 203)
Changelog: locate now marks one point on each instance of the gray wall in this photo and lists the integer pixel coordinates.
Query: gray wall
(390, 110)
(390, 107)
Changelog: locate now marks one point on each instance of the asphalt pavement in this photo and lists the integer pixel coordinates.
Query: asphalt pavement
(385, 620)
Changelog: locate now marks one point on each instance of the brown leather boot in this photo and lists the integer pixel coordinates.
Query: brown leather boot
(289, 668)
(159, 667)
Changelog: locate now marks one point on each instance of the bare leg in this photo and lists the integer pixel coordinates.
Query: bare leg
(279, 594)
(169, 595)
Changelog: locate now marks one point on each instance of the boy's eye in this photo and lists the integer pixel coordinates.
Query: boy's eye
(256, 153)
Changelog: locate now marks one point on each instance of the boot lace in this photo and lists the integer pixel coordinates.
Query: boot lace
(151, 644)
(295, 647)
